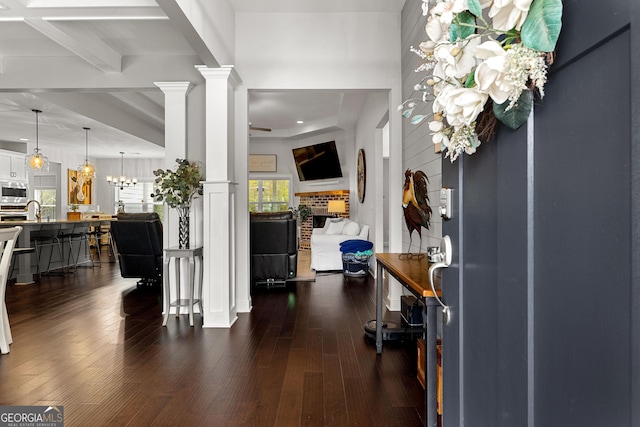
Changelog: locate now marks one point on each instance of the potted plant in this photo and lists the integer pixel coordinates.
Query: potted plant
(177, 189)
(74, 214)
(303, 212)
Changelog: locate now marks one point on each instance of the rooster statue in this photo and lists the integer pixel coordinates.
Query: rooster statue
(415, 203)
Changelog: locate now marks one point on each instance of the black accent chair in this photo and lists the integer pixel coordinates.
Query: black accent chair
(138, 241)
(274, 248)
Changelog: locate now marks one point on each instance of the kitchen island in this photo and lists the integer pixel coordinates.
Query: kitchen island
(49, 259)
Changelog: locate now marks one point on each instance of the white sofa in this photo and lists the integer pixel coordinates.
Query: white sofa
(325, 242)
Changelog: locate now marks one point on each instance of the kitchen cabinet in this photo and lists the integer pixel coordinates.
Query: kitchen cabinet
(12, 166)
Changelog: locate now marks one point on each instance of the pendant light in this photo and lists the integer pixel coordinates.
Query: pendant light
(36, 161)
(87, 169)
(123, 181)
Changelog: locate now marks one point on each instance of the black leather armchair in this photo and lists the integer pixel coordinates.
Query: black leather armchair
(138, 241)
(274, 248)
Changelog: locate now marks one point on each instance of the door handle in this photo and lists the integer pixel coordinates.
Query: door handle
(444, 261)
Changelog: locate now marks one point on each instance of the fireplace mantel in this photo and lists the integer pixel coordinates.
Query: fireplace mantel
(324, 193)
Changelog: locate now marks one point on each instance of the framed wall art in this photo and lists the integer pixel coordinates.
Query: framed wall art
(80, 188)
(262, 163)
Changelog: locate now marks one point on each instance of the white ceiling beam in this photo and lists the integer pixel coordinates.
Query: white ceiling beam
(12, 5)
(191, 35)
(107, 109)
(93, 3)
(72, 73)
(83, 43)
(144, 104)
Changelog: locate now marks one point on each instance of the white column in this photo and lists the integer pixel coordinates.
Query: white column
(219, 287)
(396, 174)
(175, 146)
(175, 143)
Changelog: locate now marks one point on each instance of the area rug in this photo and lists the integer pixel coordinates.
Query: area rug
(305, 273)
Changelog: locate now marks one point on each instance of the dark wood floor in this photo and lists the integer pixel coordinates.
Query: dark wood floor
(93, 343)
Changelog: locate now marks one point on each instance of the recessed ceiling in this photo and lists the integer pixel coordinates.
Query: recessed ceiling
(321, 111)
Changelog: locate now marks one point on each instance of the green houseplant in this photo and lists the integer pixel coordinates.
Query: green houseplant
(177, 189)
(303, 212)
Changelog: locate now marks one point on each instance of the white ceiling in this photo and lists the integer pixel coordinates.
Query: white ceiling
(57, 44)
(317, 6)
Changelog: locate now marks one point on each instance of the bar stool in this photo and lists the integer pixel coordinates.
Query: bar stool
(79, 234)
(95, 242)
(47, 236)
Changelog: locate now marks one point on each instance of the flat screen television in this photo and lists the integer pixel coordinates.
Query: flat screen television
(318, 161)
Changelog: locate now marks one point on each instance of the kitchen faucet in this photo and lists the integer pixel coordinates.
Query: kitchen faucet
(26, 208)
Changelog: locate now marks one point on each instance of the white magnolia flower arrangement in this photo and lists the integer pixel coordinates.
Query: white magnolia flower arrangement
(479, 70)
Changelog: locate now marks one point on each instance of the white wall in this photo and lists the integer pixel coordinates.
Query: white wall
(286, 165)
(318, 50)
(369, 137)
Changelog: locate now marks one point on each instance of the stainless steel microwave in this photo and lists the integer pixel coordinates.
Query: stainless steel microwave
(13, 192)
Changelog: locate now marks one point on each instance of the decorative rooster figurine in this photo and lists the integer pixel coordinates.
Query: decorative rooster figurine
(415, 203)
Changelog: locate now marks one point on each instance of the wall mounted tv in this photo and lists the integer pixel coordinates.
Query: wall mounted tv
(318, 161)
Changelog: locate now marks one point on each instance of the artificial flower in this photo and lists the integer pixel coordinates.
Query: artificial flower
(463, 139)
(436, 126)
(435, 29)
(509, 14)
(440, 138)
(464, 74)
(455, 60)
(461, 105)
(446, 9)
(523, 65)
(490, 73)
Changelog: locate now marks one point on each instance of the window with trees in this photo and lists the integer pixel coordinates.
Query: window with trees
(269, 195)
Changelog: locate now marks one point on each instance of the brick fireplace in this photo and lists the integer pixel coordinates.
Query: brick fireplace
(318, 202)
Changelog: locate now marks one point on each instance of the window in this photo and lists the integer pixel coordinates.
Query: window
(137, 199)
(45, 192)
(269, 195)
(47, 199)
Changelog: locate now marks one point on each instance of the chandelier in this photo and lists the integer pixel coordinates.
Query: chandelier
(123, 181)
(37, 161)
(87, 169)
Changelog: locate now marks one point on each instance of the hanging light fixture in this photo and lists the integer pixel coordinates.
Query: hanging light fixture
(123, 181)
(37, 161)
(87, 169)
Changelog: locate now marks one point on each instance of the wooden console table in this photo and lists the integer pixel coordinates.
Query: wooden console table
(413, 274)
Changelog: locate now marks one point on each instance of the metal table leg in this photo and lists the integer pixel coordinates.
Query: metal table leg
(379, 286)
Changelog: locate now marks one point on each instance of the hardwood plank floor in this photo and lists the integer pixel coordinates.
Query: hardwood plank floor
(93, 343)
